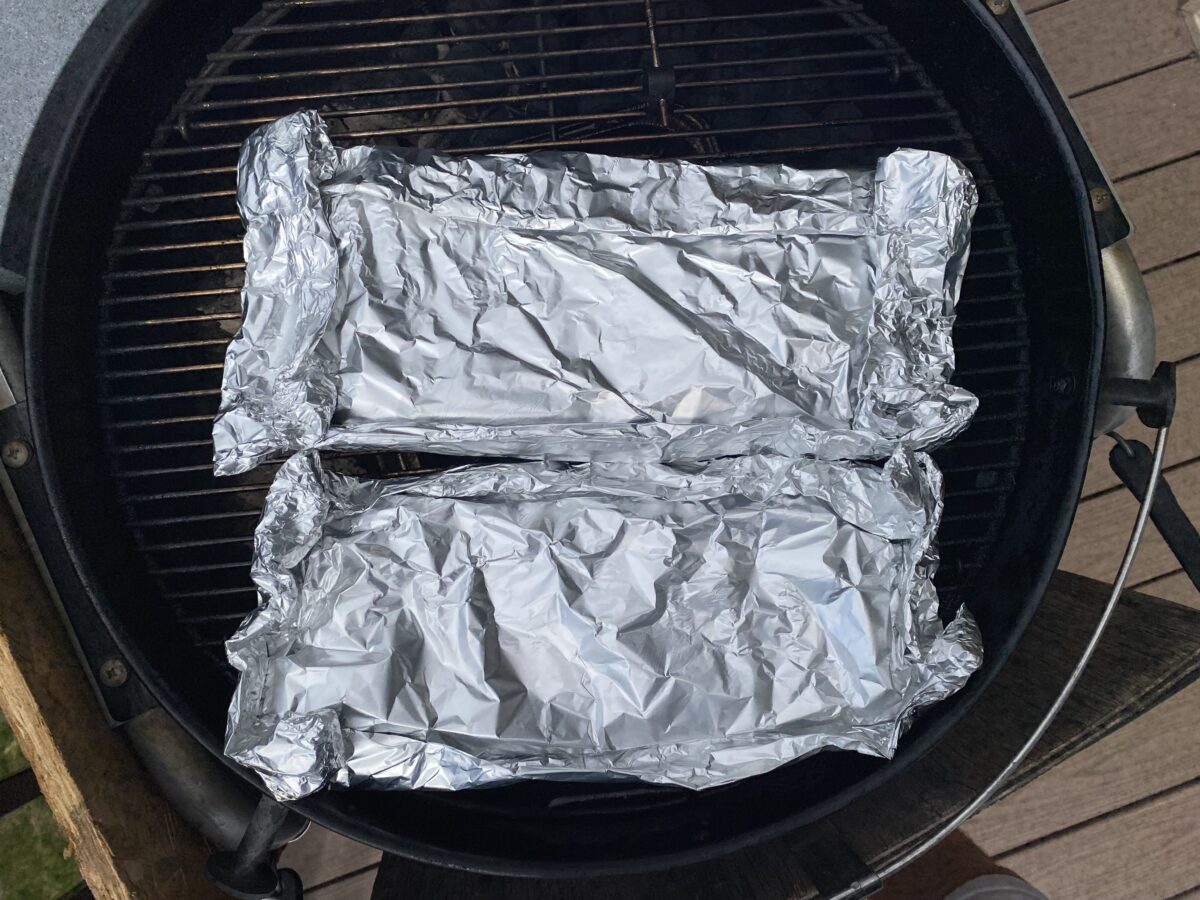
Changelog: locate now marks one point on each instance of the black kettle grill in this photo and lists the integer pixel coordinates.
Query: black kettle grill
(134, 263)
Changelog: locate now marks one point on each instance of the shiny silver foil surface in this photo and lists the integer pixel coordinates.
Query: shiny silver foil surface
(574, 306)
(538, 620)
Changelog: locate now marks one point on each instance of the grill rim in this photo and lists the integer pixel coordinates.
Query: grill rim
(39, 381)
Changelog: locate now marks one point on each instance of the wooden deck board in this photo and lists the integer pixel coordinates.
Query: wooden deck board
(1154, 752)
(355, 886)
(1032, 6)
(1162, 207)
(1146, 121)
(1145, 851)
(321, 855)
(1175, 293)
(1175, 586)
(1151, 33)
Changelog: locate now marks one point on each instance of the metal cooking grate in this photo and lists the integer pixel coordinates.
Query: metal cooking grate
(811, 84)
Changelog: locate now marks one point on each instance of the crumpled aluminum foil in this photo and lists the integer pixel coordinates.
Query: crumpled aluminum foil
(536, 620)
(575, 306)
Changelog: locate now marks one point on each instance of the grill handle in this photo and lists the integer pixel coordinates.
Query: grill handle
(1130, 350)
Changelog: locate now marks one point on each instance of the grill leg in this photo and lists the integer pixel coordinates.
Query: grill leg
(249, 873)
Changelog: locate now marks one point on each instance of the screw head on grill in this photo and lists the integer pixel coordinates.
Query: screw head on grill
(16, 453)
(113, 672)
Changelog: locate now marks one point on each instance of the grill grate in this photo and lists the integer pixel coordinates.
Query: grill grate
(811, 84)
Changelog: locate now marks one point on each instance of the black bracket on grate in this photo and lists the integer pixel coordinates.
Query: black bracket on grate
(659, 82)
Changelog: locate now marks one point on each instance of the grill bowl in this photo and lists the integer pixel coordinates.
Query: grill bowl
(133, 296)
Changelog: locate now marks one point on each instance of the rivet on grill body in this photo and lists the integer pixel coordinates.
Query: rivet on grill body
(16, 453)
(113, 672)
(1064, 385)
(999, 7)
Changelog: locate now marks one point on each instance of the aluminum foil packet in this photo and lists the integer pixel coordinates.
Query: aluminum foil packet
(575, 306)
(535, 620)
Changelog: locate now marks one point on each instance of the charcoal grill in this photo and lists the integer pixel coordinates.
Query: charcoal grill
(133, 297)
